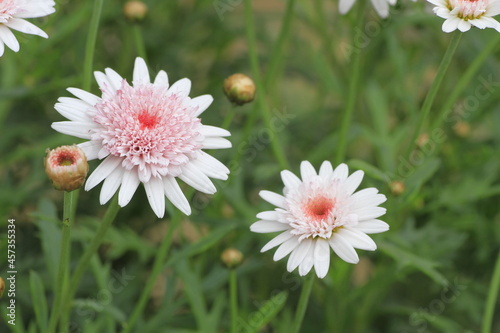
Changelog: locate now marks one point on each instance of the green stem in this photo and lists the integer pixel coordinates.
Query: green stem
(69, 207)
(303, 301)
(139, 41)
(464, 80)
(353, 90)
(157, 268)
(84, 261)
(492, 298)
(261, 98)
(90, 45)
(429, 99)
(233, 297)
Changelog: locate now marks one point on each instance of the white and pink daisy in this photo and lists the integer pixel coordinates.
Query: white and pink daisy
(463, 14)
(320, 212)
(146, 133)
(381, 6)
(12, 15)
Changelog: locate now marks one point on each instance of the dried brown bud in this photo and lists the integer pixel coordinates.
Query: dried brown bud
(397, 187)
(462, 129)
(231, 257)
(239, 89)
(422, 140)
(66, 167)
(135, 10)
(2, 286)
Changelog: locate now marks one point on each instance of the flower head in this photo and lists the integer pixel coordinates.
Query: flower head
(381, 6)
(320, 212)
(66, 167)
(463, 14)
(12, 15)
(146, 133)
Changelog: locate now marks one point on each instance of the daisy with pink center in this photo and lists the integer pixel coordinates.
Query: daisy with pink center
(12, 15)
(146, 133)
(463, 14)
(319, 212)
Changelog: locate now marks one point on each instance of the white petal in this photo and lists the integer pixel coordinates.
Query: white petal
(175, 195)
(71, 113)
(181, 88)
(77, 104)
(321, 257)
(207, 130)
(197, 179)
(110, 185)
(85, 96)
(358, 239)
(353, 181)
(308, 262)
(25, 27)
(343, 249)
(341, 172)
(289, 179)
(214, 163)
(307, 171)
(270, 215)
(33, 8)
(130, 182)
(285, 248)
(326, 170)
(273, 198)
(161, 79)
(8, 38)
(381, 7)
(2, 47)
(216, 143)
(283, 237)
(268, 226)
(102, 171)
(299, 254)
(463, 25)
(202, 103)
(90, 148)
(209, 169)
(369, 213)
(366, 197)
(103, 81)
(156, 195)
(79, 129)
(372, 226)
(141, 73)
(451, 24)
(345, 6)
(114, 78)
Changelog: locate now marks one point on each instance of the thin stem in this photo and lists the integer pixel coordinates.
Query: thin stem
(157, 268)
(139, 41)
(303, 301)
(353, 90)
(233, 297)
(465, 78)
(261, 99)
(90, 45)
(82, 265)
(492, 298)
(69, 206)
(429, 99)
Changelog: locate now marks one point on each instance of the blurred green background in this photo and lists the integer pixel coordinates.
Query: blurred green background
(432, 270)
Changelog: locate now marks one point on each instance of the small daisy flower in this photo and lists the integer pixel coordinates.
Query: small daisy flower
(381, 6)
(463, 14)
(146, 133)
(320, 212)
(12, 13)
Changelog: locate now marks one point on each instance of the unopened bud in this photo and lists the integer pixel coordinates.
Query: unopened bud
(2, 286)
(239, 89)
(462, 129)
(397, 187)
(135, 10)
(231, 257)
(422, 140)
(66, 167)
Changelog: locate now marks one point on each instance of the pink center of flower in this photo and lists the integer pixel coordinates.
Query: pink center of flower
(149, 128)
(316, 208)
(468, 9)
(8, 8)
(65, 159)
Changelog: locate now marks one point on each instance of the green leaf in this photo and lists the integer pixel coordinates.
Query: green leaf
(38, 300)
(194, 293)
(257, 320)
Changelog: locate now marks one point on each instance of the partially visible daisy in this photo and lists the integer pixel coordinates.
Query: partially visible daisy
(381, 6)
(320, 212)
(463, 14)
(146, 133)
(12, 13)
